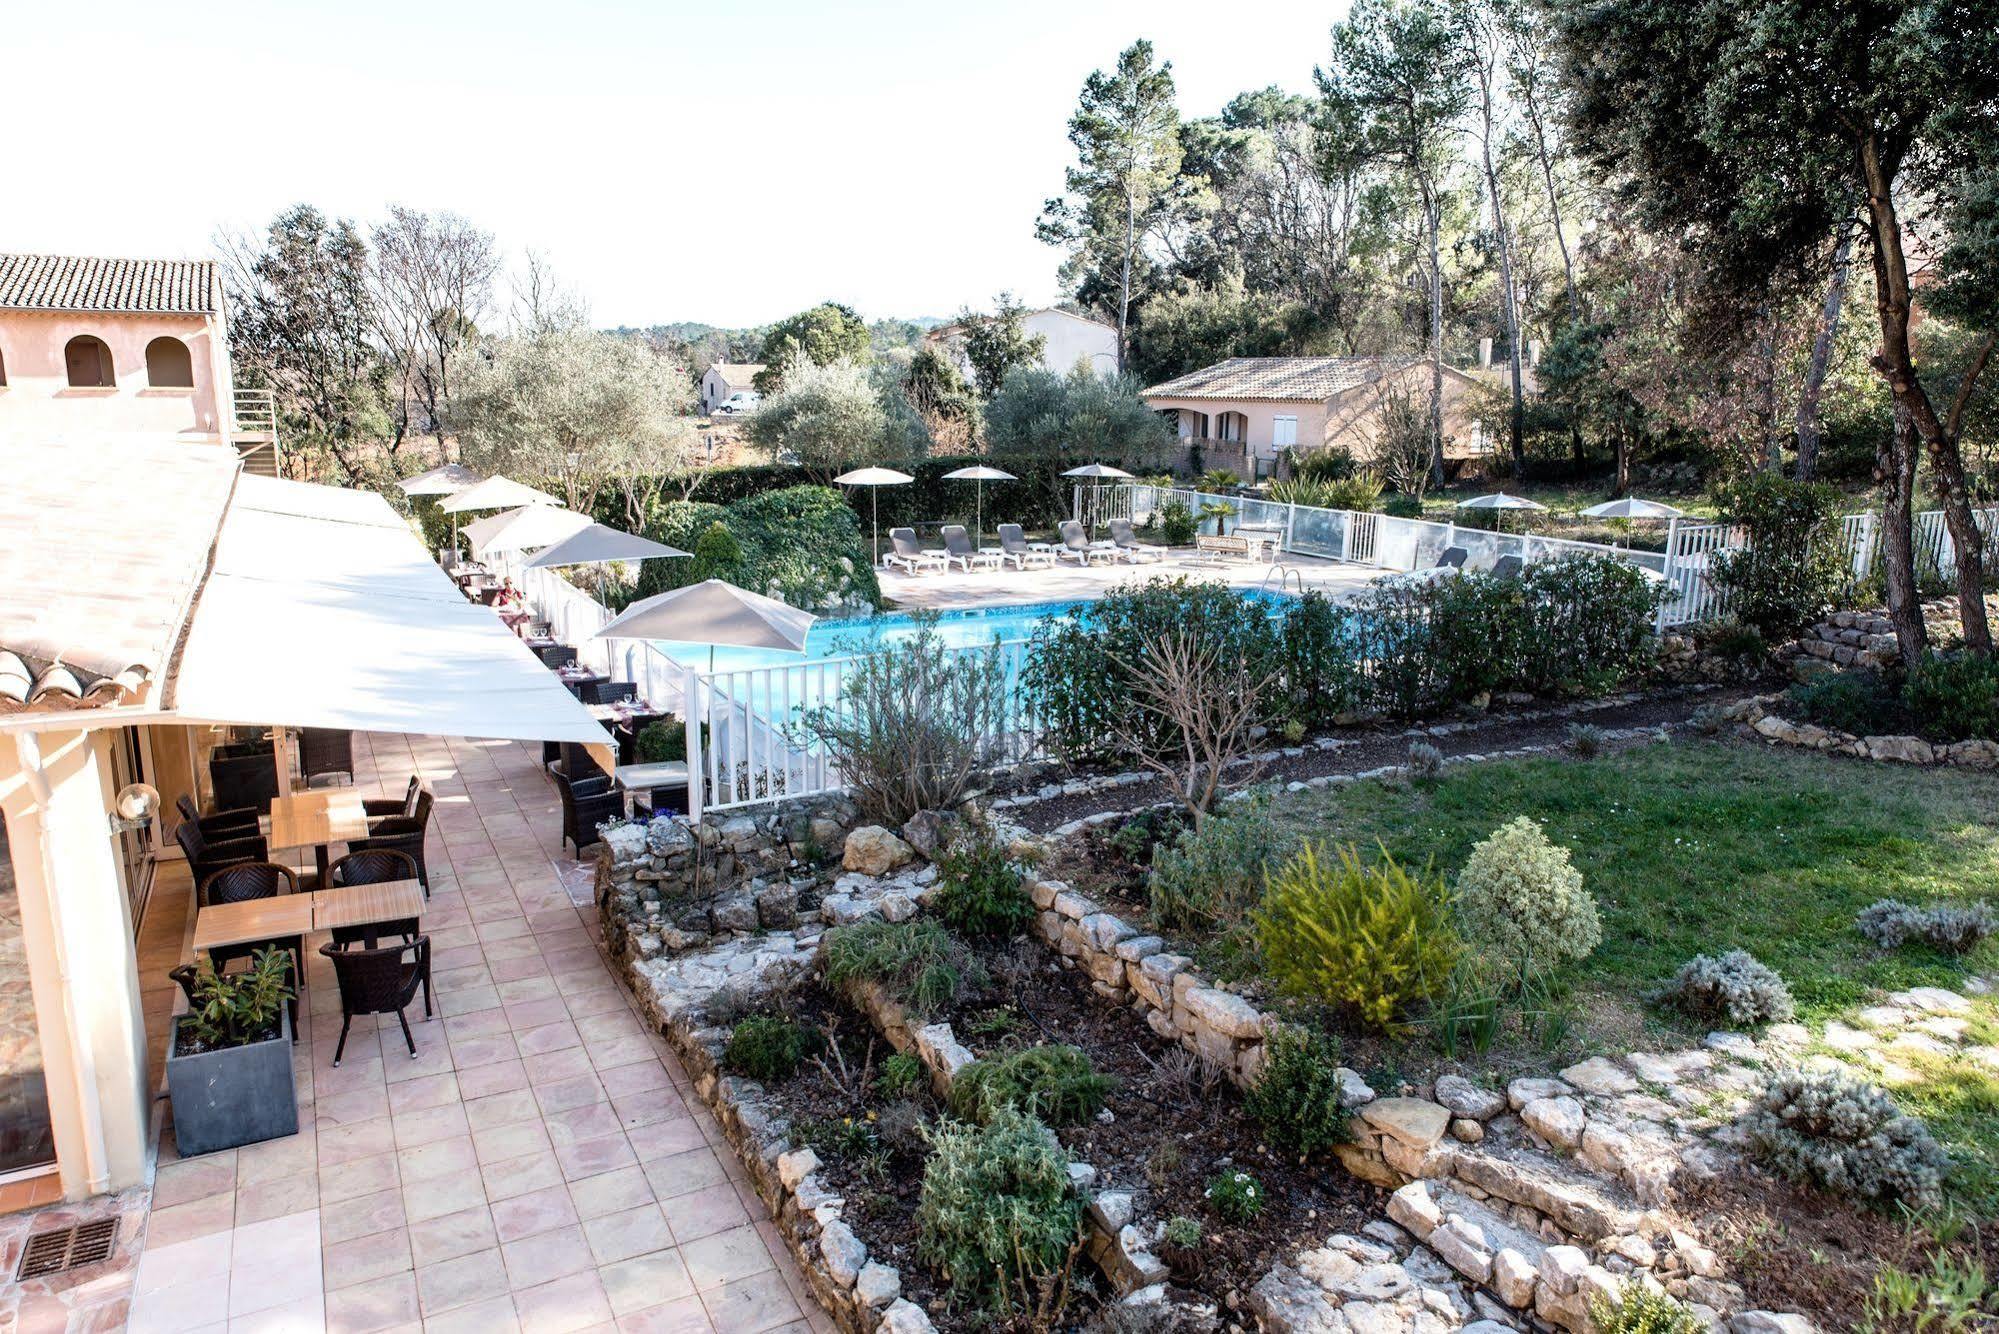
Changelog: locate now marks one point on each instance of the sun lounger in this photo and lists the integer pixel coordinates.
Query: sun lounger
(1076, 545)
(958, 550)
(1015, 547)
(1507, 567)
(1128, 546)
(907, 554)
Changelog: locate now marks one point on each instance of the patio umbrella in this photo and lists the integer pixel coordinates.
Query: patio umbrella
(523, 528)
(447, 480)
(495, 493)
(981, 474)
(713, 612)
(599, 544)
(1633, 508)
(1096, 471)
(1499, 500)
(873, 477)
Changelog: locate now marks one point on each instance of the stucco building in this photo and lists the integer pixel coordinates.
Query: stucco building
(98, 349)
(1066, 339)
(1245, 413)
(725, 378)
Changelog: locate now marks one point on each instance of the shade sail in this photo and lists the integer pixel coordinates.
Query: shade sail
(323, 610)
(447, 480)
(524, 529)
(495, 493)
(713, 612)
(600, 544)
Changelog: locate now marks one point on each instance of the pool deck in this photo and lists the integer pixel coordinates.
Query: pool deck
(1066, 581)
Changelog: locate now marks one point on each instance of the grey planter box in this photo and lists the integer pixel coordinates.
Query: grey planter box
(235, 1096)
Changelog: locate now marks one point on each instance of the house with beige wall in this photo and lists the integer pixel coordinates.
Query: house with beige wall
(725, 378)
(100, 349)
(1067, 338)
(1245, 413)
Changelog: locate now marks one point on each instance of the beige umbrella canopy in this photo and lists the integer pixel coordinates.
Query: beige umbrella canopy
(871, 478)
(525, 528)
(713, 612)
(981, 474)
(447, 480)
(495, 493)
(600, 544)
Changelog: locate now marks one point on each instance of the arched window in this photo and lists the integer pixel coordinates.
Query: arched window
(168, 365)
(89, 363)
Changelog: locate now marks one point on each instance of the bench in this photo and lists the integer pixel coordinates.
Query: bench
(1226, 545)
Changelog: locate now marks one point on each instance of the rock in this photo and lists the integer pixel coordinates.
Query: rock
(844, 1253)
(1111, 1209)
(1513, 1277)
(1769, 1322)
(1739, 1045)
(1285, 1300)
(1562, 1268)
(1378, 1283)
(904, 1317)
(1468, 1099)
(1467, 1131)
(1353, 1089)
(777, 908)
(1133, 948)
(734, 912)
(1463, 1246)
(878, 1284)
(1226, 1013)
(1559, 1121)
(1412, 1207)
(873, 850)
(930, 832)
(795, 1166)
(1523, 1091)
(1104, 930)
(1601, 1076)
(1415, 1121)
(896, 907)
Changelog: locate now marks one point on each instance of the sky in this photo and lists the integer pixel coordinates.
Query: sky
(726, 163)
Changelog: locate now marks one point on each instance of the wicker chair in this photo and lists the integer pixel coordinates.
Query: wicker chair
(557, 655)
(373, 866)
(244, 776)
(586, 803)
(221, 825)
(245, 882)
(377, 808)
(208, 854)
(607, 692)
(323, 751)
(380, 981)
(402, 833)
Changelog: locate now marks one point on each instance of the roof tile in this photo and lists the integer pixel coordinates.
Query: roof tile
(131, 286)
(1312, 379)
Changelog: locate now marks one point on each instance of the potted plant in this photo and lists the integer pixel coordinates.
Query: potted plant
(229, 1061)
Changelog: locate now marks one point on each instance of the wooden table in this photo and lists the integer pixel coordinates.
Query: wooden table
(314, 819)
(223, 924)
(366, 905)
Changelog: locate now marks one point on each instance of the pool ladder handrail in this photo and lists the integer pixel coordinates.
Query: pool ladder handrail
(1285, 574)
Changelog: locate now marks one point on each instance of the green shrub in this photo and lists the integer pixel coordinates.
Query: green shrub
(1320, 675)
(918, 962)
(659, 742)
(1857, 701)
(1589, 623)
(1360, 493)
(1235, 1195)
(1176, 524)
(1400, 506)
(1520, 897)
(1323, 465)
(235, 1009)
(980, 890)
(1373, 941)
(1054, 1083)
(1183, 1232)
(1833, 1132)
(996, 1214)
(1640, 1310)
(1304, 491)
(1955, 696)
(1735, 987)
(1425, 763)
(1296, 1097)
(1951, 928)
(767, 1048)
(1137, 838)
(1794, 563)
(1211, 876)
(902, 1074)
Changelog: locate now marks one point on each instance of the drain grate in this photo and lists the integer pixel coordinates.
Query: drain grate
(68, 1248)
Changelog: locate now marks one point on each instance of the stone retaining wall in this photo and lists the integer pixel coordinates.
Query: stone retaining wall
(1758, 714)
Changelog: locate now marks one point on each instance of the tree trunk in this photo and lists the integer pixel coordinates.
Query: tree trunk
(1809, 397)
(1895, 472)
(1621, 481)
(1124, 285)
(1766, 369)
(1509, 304)
(1431, 210)
(1896, 363)
(1554, 205)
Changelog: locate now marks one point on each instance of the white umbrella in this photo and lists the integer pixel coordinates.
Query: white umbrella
(495, 493)
(524, 528)
(599, 544)
(447, 480)
(981, 474)
(871, 478)
(1500, 501)
(713, 612)
(1633, 508)
(1095, 471)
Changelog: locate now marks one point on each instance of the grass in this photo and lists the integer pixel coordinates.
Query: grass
(1708, 846)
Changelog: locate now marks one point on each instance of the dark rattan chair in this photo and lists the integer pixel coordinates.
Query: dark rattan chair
(380, 981)
(586, 803)
(325, 750)
(206, 855)
(243, 883)
(402, 833)
(373, 866)
(380, 807)
(221, 824)
(243, 776)
(557, 655)
(607, 692)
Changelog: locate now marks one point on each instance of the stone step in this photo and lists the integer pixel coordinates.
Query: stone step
(1582, 1203)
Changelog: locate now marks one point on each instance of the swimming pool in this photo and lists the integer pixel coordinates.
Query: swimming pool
(965, 628)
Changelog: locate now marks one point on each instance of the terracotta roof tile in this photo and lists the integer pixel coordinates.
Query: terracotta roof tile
(1313, 379)
(140, 286)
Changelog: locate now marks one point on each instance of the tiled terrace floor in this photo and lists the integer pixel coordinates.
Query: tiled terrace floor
(540, 1165)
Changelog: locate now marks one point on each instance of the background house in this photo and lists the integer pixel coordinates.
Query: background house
(725, 378)
(94, 348)
(1244, 412)
(1069, 338)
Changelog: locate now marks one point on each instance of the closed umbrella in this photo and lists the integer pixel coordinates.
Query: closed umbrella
(447, 480)
(871, 478)
(981, 474)
(1096, 472)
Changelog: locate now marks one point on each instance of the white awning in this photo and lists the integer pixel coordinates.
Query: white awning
(323, 611)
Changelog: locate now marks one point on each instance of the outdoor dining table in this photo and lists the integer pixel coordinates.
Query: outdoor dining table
(223, 924)
(313, 820)
(366, 905)
(644, 778)
(578, 677)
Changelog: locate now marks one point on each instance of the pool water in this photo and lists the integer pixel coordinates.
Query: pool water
(970, 627)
